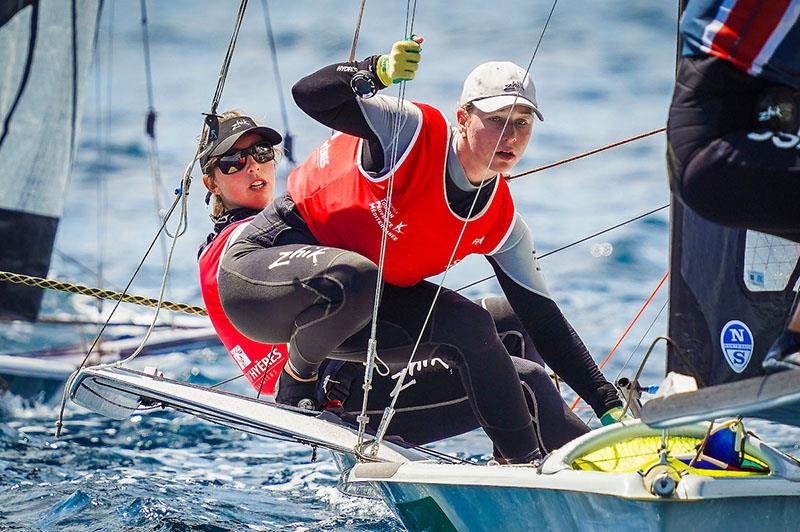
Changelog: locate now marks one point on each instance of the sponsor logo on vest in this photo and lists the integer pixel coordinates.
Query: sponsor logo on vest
(305, 252)
(478, 241)
(323, 157)
(263, 364)
(346, 68)
(736, 342)
(239, 123)
(240, 357)
(378, 208)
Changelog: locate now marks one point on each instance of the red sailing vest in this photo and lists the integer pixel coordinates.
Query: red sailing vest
(260, 363)
(344, 206)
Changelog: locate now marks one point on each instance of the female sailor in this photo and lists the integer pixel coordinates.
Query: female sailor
(304, 269)
(240, 182)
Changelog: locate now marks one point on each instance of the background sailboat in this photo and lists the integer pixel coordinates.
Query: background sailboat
(48, 50)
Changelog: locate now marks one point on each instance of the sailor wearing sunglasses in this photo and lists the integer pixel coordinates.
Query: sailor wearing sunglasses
(239, 173)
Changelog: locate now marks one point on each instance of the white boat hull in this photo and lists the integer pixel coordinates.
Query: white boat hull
(427, 496)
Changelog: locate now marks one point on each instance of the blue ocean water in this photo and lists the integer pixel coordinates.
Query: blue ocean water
(603, 72)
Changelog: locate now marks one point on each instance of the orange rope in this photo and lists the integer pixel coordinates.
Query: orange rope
(630, 326)
(588, 153)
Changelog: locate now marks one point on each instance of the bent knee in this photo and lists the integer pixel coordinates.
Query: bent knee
(355, 277)
(459, 321)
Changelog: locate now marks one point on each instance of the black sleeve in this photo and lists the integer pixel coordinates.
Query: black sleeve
(326, 96)
(559, 344)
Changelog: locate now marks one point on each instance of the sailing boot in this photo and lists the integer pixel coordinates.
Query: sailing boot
(784, 353)
(298, 393)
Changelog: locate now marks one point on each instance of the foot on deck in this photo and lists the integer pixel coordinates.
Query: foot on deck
(302, 394)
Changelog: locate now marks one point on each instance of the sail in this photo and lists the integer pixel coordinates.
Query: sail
(47, 49)
(730, 293)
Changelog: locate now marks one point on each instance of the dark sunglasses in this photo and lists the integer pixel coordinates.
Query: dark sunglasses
(230, 163)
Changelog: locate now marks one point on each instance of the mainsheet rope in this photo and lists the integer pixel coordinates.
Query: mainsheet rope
(400, 386)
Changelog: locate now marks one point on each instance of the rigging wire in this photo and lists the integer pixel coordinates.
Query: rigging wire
(209, 133)
(82, 267)
(630, 326)
(150, 129)
(399, 387)
(372, 344)
(352, 56)
(576, 242)
(635, 349)
(288, 139)
(101, 124)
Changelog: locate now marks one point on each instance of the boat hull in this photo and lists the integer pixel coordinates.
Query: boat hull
(468, 508)
(559, 496)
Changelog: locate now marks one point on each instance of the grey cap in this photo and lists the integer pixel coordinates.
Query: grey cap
(497, 84)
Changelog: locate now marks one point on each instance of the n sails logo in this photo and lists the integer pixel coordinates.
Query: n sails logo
(736, 342)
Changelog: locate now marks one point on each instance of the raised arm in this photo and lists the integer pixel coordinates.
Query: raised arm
(343, 97)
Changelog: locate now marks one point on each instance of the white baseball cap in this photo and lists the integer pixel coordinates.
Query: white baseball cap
(497, 84)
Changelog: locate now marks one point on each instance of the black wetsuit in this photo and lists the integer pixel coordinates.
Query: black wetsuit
(722, 165)
(278, 284)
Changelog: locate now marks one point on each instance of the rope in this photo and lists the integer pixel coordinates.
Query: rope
(100, 293)
(288, 139)
(372, 344)
(633, 351)
(630, 326)
(352, 56)
(590, 152)
(575, 243)
(389, 411)
(150, 129)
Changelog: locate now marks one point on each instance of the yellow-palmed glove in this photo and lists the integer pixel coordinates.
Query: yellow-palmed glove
(401, 63)
(614, 415)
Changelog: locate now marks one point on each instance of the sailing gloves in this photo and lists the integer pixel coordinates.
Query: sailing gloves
(401, 63)
(615, 415)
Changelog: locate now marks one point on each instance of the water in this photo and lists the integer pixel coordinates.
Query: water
(603, 72)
